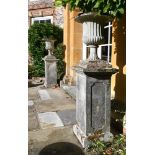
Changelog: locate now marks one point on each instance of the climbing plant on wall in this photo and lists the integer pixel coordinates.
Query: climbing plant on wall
(37, 51)
(114, 8)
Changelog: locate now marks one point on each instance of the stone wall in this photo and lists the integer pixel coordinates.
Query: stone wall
(73, 43)
(58, 18)
(43, 8)
(119, 60)
(33, 5)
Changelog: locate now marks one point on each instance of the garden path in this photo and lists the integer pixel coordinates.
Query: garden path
(51, 117)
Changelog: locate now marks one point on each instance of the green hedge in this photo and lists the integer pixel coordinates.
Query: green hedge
(36, 33)
(59, 54)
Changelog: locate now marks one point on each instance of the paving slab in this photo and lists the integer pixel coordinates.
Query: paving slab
(51, 115)
(71, 90)
(33, 122)
(44, 94)
(33, 93)
(50, 118)
(59, 101)
(30, 103)
(68, 116)
(50, 106)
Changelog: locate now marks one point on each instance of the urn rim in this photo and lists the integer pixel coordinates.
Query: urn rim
(93, 17)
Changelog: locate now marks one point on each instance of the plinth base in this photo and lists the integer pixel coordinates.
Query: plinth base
(49, 85)
(50, 71)
(81, 136)
(85, 142)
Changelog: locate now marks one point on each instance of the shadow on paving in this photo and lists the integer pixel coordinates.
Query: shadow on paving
(61, 148)
(68, 116)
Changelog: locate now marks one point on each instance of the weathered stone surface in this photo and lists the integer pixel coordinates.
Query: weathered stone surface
(93, 103)
(93, 99)
(93, 17)
(108, 137)
(40, 4)
(50, 118)
(44, 133)
(98, 67)
(30, 103)
(67, 116)
(33, 123)
(44, 95)
(81, 136)
(58, 17)
(50, 71)
(42, 138)
(71, 90)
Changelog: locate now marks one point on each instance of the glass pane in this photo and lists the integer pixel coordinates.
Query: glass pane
(105, 34)
(42, 21)
(105, 53)
(110, 35)
(104, 50)
(48, 21)
(36, 21)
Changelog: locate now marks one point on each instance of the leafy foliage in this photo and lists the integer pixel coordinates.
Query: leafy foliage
(30, 71)
(114, 8)
(36, 33)
(117, 147)
(59, 54)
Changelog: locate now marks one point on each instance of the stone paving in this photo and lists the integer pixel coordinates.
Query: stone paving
(51, 117)
(71, 90)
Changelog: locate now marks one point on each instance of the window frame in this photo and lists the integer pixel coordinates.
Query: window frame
(41, 18)
(109, 44)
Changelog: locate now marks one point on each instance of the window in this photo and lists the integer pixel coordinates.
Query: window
(46, 19)
(104, 50)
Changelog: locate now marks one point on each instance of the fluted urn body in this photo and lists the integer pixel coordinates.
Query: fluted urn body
(93, 31)
(49, 45)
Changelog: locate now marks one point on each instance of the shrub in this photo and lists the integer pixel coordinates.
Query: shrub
(117, 147)
(36, 33)
(30, 71)
(59, 54)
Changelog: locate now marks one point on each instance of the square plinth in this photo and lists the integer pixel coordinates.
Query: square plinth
(93, 103)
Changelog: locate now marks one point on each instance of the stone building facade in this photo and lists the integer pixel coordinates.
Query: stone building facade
(44, 11)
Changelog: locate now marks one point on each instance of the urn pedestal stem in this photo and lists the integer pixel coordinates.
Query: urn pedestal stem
(93, 53)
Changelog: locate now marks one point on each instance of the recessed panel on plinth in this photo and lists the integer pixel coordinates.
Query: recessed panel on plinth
(50, 71)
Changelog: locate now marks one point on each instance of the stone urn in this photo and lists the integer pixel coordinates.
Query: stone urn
(93, 83)
(49, 45)
(50, 64)
(93, 31)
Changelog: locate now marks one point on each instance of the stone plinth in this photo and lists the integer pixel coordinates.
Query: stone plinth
(50, 71)
(93, 101)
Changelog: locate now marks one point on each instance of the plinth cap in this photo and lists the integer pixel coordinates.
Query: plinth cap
(99, 67)
(50, 58)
